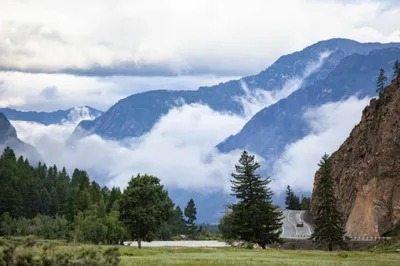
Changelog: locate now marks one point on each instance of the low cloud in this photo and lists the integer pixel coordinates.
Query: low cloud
(330, 125)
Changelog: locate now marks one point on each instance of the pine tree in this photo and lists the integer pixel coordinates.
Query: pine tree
(292, 201)
(380, 84)
(254, 217)
(190, 222)
(396, 71)
(328, 220)
(178, 221)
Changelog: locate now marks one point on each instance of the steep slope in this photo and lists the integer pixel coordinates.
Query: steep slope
(48, 118)
(278, 125)
(366, 169)
(137, 114)
(8, 137)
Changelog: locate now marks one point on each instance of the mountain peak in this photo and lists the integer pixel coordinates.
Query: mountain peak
(7, 131)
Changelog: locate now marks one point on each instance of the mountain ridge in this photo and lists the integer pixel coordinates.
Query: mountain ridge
(9, 138)
(135, 115)
(48, 118)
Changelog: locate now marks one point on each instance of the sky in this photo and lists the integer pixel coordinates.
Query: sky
(59, 54)
(97, 52)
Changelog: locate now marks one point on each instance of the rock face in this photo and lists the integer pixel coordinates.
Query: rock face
(8, 138)
(366, 169)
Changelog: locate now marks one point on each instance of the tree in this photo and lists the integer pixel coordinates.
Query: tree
(190, 221)
(254, 217)
(380, 83)
(144, 207)
(396, 71)
(328, 220)
(305, 203)
(292, 201)
(225, 226)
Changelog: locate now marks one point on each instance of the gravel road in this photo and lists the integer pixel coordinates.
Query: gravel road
(196, 244)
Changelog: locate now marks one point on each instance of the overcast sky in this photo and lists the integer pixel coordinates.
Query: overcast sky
(64, 53)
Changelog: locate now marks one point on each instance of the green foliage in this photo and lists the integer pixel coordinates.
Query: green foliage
(380, 83)
(305, 203)
(23, 254)
(328, 220)
(144, 207)
(254, 217)
(190, 221)
(225, 226)
(292, 201)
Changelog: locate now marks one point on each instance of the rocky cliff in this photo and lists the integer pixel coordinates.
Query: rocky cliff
(366, 169)
(8, 138)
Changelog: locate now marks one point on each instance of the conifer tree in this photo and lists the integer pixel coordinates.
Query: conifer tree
(328, 220)
(305, 203)
(292, 201)
(254, 218)
(380, 83)
(190, 222)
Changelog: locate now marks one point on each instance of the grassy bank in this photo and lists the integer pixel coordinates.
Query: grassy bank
(222, 256)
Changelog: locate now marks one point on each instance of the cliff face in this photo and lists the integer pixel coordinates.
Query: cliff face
(8, 138)
(366, 169)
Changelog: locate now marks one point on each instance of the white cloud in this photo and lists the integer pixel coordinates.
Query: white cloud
(177, 149)
(28, 91)
(330, 125)
(236, 37)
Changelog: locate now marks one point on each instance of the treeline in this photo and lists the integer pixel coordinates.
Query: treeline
(293, 202)
(47, 202)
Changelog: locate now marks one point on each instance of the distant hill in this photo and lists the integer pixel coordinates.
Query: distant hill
(138, 113)
(8, 138)
(56, 117)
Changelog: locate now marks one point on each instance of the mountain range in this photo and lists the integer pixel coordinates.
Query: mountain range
(327, 71)
(56, 117)
(137, 114)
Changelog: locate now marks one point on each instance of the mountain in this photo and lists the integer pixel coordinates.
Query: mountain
(48, 118)
(137, 114)
(271, 129)
(366, 169)
(8, 137)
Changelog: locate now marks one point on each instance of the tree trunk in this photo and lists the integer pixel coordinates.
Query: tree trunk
(139, 242)
(330, 246)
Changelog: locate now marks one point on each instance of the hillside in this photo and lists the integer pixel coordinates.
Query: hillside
(366, 169)
(137, 114)
(8, 137)
(274, 127)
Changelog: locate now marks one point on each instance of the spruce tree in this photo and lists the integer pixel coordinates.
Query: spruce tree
(254, 217)
(380, 83)
(292, 201)
(190, 221)
(305, 203)
(328, 220)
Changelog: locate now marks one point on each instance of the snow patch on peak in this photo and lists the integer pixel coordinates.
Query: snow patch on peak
(79, 113)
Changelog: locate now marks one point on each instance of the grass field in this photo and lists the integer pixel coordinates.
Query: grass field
(234, 256)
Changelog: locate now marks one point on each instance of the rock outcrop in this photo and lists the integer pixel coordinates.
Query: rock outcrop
(366, 169)
(8, 138)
